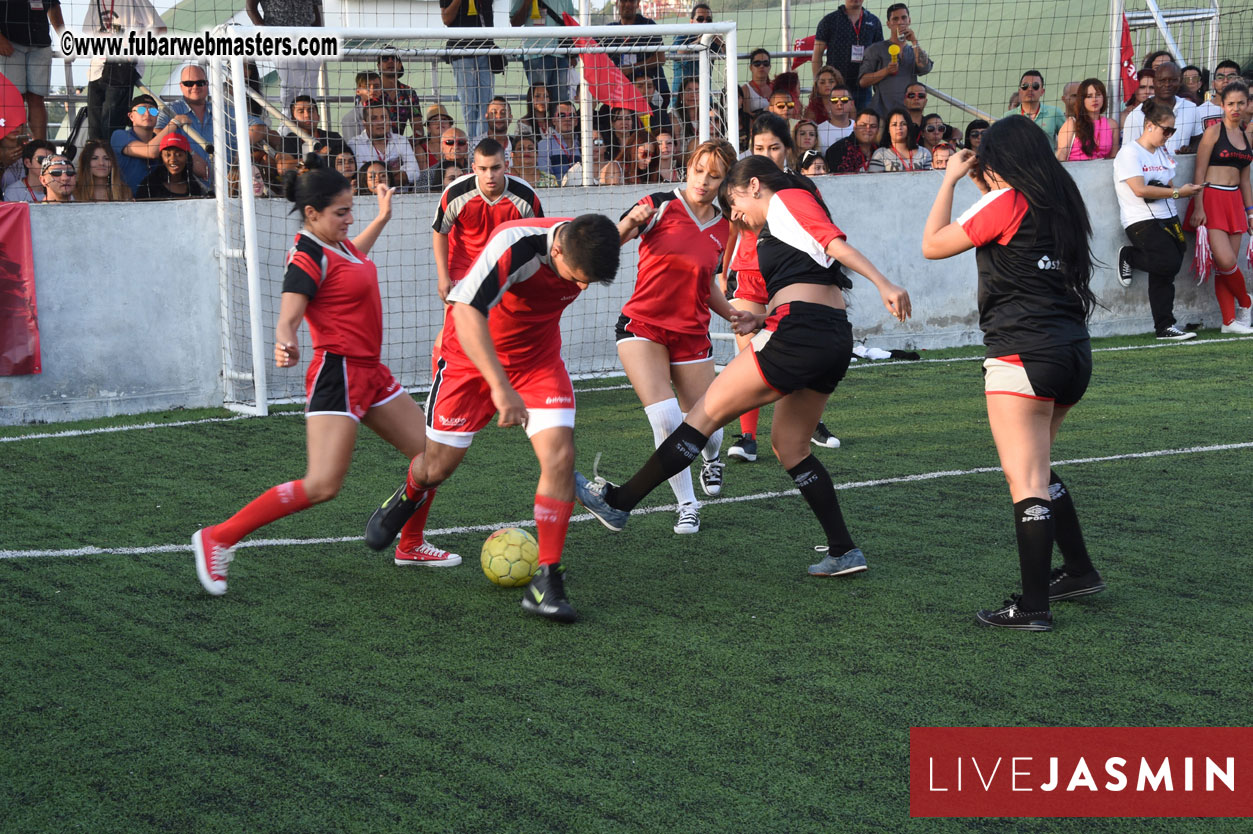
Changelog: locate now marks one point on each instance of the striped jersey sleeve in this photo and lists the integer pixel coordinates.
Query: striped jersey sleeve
(513, 254)
(459, 192)
(522, 195)
(796, 218)
(306, 267)
(995, 218)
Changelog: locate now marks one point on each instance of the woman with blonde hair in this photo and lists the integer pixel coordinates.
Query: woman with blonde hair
(101, 180)
(827, 79)
(804, 138)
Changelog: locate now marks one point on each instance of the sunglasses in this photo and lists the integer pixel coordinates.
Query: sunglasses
(703, 19)
(935, 128)
(786, 105)
(1166, 131)
(761, 63)
(915, 95)
(1035, 85)
(975, 134)
(200, 83)
(840, 99)
(61, 172)
(460, 143)
(147, 111)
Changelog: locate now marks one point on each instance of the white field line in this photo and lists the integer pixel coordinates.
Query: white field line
(620, 387)
(485, 528)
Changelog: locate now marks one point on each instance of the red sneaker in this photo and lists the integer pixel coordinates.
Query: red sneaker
(428, 555)
(212, 559)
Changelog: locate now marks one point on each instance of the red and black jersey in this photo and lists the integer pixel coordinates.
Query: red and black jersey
(1024, 304)
(345, 312)
(745, 254)
(514, 285)
(678, 259)
(469, 218)
(791, 248)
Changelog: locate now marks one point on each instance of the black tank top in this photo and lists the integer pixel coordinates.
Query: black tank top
(1228, 155)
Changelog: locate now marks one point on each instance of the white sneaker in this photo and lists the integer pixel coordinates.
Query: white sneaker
(1236, 327)
(1244, 315)
(689, 519)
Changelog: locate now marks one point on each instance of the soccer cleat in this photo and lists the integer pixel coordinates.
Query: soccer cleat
(1174, 334)
(1011, 615)
(384, 525)
(212, 559)
(1236, 327)
(1063, 585)
(689, 519)
(744, 448)
(854, 561)
(427, 555)
(823, 437)
(711, 476)
(1124, 266)
(591, 495)
(546, 595)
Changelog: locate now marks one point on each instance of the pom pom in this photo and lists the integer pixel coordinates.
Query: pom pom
(1203, 259)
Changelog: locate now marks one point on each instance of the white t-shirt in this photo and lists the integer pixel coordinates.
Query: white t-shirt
(829, 134)
(111, 17)
(1208, 114)
(1187, 125)
(1134, 160)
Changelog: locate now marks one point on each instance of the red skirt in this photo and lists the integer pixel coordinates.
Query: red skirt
(1224, 210)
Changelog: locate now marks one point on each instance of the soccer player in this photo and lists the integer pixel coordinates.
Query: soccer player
(796, 361)
(1030, 234)
(770, 138)
(510, 363)
(663, 333)
(331, 283)
(470, 210)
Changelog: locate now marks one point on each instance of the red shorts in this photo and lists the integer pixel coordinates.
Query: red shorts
(1224, 210)
(750, 286)
(460, 402)
(337, 385)
(684, 348)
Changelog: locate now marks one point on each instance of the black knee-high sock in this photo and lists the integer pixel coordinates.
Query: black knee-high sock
(675, 454)
(1033, 524)
(1066, 529)
(815, 485)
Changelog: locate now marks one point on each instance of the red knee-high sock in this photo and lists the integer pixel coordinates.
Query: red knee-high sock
(748, 422)
(1235, 283)
(552, 521)
(1222, 291)
(271, 505)
(413, 533)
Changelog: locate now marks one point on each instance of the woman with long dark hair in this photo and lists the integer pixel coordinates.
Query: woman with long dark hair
(101, 180)
(1030, 233)
(331, 283)
(797, 359)
(974, 134)
(899, 149)
(537, 120)
(1088, 133)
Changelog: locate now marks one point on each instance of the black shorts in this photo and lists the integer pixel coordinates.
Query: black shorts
(1059, 374)
(804, 345)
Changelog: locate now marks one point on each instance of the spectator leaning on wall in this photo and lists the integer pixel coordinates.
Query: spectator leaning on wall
(843, 37)
(1187, 125)
(30, 188)
(59, 177)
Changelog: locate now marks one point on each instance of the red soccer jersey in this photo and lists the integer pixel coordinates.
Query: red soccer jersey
(678, 259)
(345, 312)
(513, 285)
(745, 255)
(469, 218)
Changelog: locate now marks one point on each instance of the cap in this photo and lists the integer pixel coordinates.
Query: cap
(176, 140)
(256, 120)
(144, 99)
(436, 110)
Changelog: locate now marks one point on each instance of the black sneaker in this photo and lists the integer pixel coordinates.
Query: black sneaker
(1124, 266)
(823, 437)
(546, 595)
(744, 448)
(384, 525)
(711, 476)
(1063, 585)
(1174, 334)
(1010, 615)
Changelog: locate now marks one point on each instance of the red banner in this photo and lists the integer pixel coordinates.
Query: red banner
(19, 320)
(606, 82)
(806, 45)
(1081, 771)
(1130, 83)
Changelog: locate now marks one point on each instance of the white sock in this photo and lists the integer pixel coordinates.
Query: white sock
(665, 417)
(714, 447)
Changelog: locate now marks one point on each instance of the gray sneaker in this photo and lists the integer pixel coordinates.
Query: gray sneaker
(854, 561)
(591, 495)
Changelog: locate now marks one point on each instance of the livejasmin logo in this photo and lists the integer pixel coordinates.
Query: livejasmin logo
(1080, 772)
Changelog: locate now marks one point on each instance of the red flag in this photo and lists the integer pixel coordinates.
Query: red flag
(607, 83)
(805, 45)
(1130, 83)
(12, 108)
(19, 322)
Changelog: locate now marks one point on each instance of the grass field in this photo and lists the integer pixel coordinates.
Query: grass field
(710, 684)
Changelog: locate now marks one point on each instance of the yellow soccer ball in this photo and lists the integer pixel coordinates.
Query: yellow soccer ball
(510, 557)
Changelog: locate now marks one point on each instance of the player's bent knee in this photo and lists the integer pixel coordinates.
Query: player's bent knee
(320, 490)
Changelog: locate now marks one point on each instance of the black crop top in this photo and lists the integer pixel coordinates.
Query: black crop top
(1228, 155)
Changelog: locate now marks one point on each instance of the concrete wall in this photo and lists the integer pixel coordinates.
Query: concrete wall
(130, 311)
